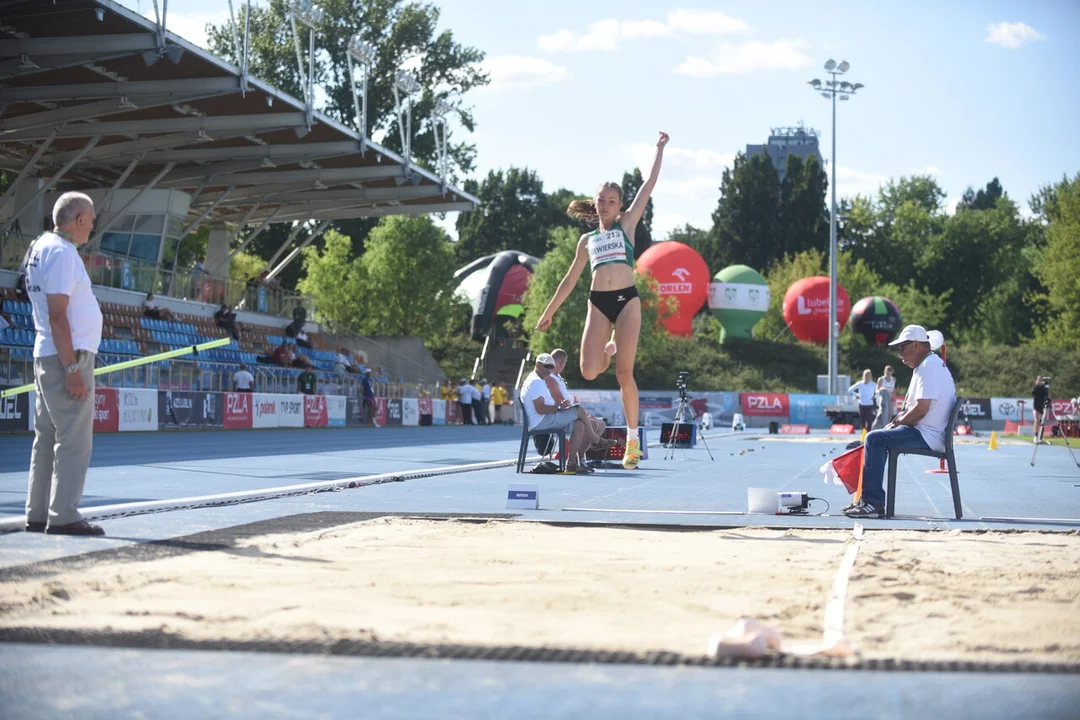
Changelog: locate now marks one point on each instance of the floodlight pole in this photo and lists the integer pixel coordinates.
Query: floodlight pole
(830, 91)
(407, 85)
(363, 55)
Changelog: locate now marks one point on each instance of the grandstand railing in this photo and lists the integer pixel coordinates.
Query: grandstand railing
(17, 368)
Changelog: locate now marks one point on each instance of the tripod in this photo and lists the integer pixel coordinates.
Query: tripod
(1038, 434)
(684, 407)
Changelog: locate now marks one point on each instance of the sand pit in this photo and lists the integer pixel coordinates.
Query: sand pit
(912, 595)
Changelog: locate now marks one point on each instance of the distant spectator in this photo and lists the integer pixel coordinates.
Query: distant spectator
(886, 388)
(226, 318)
(197, 273)
(465, 400)
(152, 311)
(344, 358)
(477, 402)
(499, 397)
(5, 323)
(370, 404)
(866, 390)
(485, 401)
(282, 355)
(243, 381)
(307, 383)
(302, 339)
(446, 390)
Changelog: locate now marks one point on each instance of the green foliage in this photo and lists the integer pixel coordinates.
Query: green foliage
(514, 214)
(1058, 266)
(400, 30)
(400, 286)
(746, 225)
(983, 200)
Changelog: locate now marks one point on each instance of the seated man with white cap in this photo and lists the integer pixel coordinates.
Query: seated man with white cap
(543, 413)
(922, 425)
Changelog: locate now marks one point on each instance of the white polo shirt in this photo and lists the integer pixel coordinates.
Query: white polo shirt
(243, 380)
(55, 268)
(534, 387)
(932, 381)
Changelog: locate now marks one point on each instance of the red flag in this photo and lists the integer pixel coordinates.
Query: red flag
(845, 469)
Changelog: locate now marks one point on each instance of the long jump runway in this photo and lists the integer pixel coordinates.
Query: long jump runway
(423, 596)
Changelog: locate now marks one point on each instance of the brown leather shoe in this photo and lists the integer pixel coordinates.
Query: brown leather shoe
(35, 527)
(80, 527)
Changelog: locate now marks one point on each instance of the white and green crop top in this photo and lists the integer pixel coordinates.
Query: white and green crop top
(609, 246)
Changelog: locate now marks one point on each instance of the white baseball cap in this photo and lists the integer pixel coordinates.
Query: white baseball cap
(545, 359)
(912, 333)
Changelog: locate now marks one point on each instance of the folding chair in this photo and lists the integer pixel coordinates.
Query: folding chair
(948, 456)
(526, 433)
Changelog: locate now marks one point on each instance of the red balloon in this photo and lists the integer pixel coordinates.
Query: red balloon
(806, 308)
(682, 274)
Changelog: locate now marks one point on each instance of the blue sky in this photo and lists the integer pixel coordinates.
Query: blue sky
(963, 90)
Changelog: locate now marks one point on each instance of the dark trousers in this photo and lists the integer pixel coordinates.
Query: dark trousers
(866, 417)
(466, 413)
(478, 411)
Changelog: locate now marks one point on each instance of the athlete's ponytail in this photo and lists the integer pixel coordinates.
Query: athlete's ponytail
(585, 210)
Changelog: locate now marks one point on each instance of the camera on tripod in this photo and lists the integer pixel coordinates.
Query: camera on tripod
(680, 383)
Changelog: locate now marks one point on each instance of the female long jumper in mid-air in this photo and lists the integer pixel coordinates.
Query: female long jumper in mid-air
(613, 299)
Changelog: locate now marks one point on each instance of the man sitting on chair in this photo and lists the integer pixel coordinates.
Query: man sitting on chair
(922, 425)
(542, 413)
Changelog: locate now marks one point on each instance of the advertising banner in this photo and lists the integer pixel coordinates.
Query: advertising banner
(290, 410)
(410, 412)
(453, 412)
(765, 404)
(1062, 407)
(354, 412)
(185, 408)
(315, 411)
(425, 406)
(1009, 409)
(438, 412)
(138, 410)
(15, 412)
(264, 413)
(381, 412)
(335, 410)
(237, 411)
(976, 408)
(106, 410)
(393, 411)
(810, 409)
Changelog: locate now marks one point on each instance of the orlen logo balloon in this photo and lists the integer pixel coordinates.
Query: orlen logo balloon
(806, 308)
(680, 273)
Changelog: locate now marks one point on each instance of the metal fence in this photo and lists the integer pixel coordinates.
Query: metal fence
(17, 368)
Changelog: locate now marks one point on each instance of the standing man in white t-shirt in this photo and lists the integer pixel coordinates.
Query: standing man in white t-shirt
(68, 322)
(243, 380)
(930, 399)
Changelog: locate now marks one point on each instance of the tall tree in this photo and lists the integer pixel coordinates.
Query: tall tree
(643, 237)
(985, 199)
(803, 216)
(402, 31)
(1058, 266)
(402, 285)
(746, 225)
(514, 214)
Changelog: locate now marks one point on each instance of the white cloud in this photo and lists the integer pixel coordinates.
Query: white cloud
(1011, 35)
(515, 72)
(851, 182)
(664, 223)
(675, 157)
(706, 22)
(750, 56)
(950, 206)
(606, 35)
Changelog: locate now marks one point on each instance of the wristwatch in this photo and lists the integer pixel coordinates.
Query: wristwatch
(72, 368)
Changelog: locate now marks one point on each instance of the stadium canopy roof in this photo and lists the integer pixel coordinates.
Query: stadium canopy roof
(93, 94)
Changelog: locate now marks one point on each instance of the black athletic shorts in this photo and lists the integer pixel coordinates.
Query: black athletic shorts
(611, 302)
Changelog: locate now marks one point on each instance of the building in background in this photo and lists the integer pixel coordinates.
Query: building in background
(786, 141)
